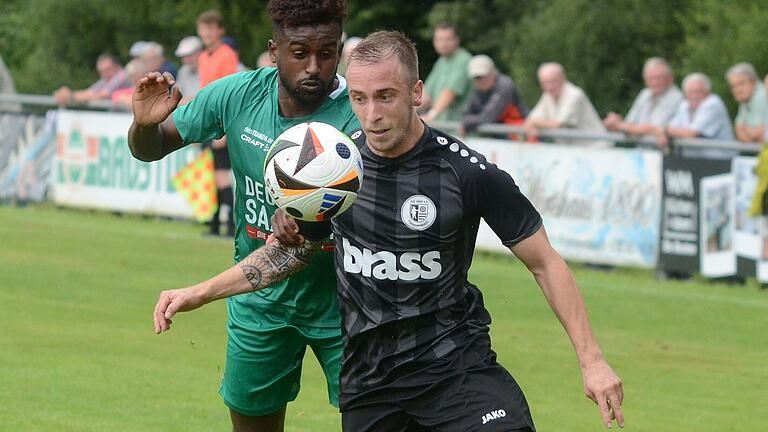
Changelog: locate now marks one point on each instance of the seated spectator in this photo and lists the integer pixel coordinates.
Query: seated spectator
(188, 79)
(655, 105)
(749, 92)
(134, 71)
(702, 115)
(447, 87)
(562, 105)
(112, 78)
(218, 59)
(155, 60)
(494, 98)
(265, 60)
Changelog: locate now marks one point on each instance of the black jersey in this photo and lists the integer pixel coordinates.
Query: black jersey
(403, 251)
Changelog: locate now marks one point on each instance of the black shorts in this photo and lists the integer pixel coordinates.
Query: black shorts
(483, 399)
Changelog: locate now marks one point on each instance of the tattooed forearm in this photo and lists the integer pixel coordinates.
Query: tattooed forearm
(252, 273)
(275, 262)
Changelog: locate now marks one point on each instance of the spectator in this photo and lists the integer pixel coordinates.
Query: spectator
(349, 44)
(188, 79)
(134, 71)
(155, 60)
(703, 115)
(112, 78)
(655, 105)
(749, 92)
(494, 99)
(265, 60)
(562, 105)
(7, 88)
(219, 59)
(447, 87)
(232, 43)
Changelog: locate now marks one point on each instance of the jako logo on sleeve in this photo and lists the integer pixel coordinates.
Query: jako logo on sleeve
(386, 265)
(493, 415)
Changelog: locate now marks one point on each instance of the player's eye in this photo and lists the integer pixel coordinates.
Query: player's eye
(358, 99)
(299, 54)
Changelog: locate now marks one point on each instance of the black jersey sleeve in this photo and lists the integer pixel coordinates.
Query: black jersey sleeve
(314, 231)
(492, 194)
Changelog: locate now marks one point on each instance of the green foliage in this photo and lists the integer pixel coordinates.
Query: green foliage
(602, 44)
(721, 34)
(408, 16)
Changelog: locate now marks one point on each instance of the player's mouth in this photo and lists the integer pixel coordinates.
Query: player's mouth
(377, 132)
(311, 85)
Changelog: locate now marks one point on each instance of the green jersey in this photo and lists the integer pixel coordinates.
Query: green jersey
(244, 107)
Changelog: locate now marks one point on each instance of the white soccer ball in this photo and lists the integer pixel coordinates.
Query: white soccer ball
(313, 171)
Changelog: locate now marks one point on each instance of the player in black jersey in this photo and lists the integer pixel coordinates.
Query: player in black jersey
(417, 352)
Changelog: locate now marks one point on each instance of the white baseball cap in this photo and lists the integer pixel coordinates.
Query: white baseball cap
(188, 46)
(138, 48)
(480, 66)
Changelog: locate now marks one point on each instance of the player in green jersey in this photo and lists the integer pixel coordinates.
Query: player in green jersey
(268, 331)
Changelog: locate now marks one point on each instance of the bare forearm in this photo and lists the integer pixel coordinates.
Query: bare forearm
(544, 124)
(443, 101)
(151, 143)
(636, 129)
(560, 289)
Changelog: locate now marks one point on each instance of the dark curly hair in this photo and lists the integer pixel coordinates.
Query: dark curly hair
(298, 13)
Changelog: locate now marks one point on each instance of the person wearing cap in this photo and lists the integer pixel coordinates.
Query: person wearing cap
(188, 79)
(155, 60)
(494, 98)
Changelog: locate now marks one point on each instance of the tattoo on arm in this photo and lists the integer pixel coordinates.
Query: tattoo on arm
(276, 262)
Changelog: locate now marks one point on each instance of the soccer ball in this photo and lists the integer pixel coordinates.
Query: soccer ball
(313, 171)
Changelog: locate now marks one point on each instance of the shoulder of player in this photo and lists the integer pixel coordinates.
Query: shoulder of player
(455, 151)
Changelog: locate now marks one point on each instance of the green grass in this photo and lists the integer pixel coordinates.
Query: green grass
(77, 350)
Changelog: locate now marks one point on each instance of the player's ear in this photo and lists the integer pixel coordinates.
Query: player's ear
(418, 93)
(272, 48)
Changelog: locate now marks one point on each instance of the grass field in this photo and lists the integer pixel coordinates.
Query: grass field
(77, 350)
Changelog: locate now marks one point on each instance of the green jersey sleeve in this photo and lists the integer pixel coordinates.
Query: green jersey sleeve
(207, 115)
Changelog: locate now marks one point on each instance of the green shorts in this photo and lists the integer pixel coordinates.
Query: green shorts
(263, 369)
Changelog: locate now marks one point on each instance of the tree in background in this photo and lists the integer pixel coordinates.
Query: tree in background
(47, 43)
(720, 34)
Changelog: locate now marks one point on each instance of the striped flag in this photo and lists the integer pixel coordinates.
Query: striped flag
(195, 182)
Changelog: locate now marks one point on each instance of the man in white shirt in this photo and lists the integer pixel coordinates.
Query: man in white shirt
(655, 105)
(702, 115)
(562, 105)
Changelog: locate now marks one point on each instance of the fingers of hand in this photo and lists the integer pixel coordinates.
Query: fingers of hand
(161, 323)
(605, 411)
(616, 414)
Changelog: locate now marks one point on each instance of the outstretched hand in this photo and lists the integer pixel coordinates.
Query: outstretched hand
(605, 389)
(152, 100)
(172, 301)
